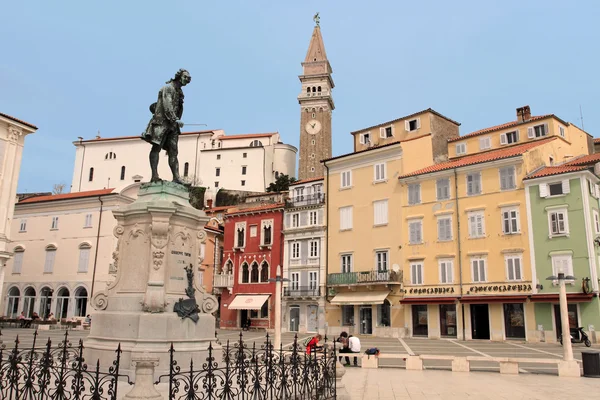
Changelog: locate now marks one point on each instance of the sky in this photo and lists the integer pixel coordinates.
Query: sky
(74, 68)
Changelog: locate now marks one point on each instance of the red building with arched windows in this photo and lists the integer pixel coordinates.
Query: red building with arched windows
(253, 248)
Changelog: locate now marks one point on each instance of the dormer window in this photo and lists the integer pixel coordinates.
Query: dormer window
(256, 143)
(537, 131)
(412, 125)
(509, 137)
(365, 138)
(461, 149)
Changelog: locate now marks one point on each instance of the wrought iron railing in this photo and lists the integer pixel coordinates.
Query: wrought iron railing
(307, 200)
(56, 372)
(301, 291)
(250, 372)
(355, 278)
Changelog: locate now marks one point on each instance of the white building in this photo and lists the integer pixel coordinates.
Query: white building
(304, 258)
(12, 140)
(63, 251)
(206, 158)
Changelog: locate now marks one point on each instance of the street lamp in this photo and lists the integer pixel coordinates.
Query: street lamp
(278, 280)
(564, 313)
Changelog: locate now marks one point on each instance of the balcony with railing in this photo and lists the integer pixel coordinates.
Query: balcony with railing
(306, 200)
(223, 281)
(364, 278)
(301, 291)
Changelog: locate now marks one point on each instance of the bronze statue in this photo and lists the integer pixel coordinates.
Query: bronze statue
(165, 125)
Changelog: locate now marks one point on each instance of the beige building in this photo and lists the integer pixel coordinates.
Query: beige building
(364, 250)
(63, 252)
(12, 140)
(206, 158)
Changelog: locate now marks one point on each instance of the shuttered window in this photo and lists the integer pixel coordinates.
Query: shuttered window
(415, 232)
(346, 179)
(18, 261)
(479, 269)
(507, 178)
(476, 224)
(443, 188)
(346, 218)
(380, 211)
(84, 257)
(380, 172)
(49, 261)
(414, 193)
(513, 268)
(416, 273)
(444, 226)
(446, 273)
(474, 183)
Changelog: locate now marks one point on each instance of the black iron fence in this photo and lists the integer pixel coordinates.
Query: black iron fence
(245, 371)
(55, 372)
(251, 372)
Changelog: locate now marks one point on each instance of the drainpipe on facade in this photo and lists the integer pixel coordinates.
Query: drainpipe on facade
(196, 161)
(96, 252)
(459, 253)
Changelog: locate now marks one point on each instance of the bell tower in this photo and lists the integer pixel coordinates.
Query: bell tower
(316, 105)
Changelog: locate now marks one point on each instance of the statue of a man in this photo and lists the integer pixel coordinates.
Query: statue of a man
(165, 126)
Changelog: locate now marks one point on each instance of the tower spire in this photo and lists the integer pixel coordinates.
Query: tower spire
(316, 104)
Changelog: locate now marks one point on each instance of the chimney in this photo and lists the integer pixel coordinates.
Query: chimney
(523, 114)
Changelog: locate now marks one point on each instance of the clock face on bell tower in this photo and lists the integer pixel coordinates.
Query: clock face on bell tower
(316, 105)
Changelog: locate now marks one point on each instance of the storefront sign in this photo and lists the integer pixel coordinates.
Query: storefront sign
(430, 290)
(499, 288)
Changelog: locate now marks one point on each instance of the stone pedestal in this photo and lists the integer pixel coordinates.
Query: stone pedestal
(158, 236)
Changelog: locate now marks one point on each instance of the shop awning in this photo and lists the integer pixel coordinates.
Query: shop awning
(360, 298)
(248, 301)
(553, 297)
(429, 300)
(493, 299)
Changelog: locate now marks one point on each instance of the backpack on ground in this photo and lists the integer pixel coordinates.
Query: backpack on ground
(373, 351)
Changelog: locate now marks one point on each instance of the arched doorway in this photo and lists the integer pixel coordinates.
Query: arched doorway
(29, 302)
(81, 299)
(45, 302)
(62, 303)
(12, 308)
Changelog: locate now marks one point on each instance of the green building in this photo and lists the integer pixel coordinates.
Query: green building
(564, 224)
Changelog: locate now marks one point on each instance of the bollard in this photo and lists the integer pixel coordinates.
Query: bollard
(143, 388)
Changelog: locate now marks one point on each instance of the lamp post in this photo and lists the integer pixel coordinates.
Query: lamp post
(278, 280)
(564, 314)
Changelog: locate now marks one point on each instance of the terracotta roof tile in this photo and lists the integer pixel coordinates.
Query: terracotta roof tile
(264, 207)
(492, 155)
(306, 181)
(585, 160)
(18, 120)
(219, 208)
(561, 169)
(67, 196)
(499, 127)
(247, 136)
(596, 140)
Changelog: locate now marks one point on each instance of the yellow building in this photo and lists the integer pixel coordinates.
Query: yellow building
(464, 236)
(364, 256)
